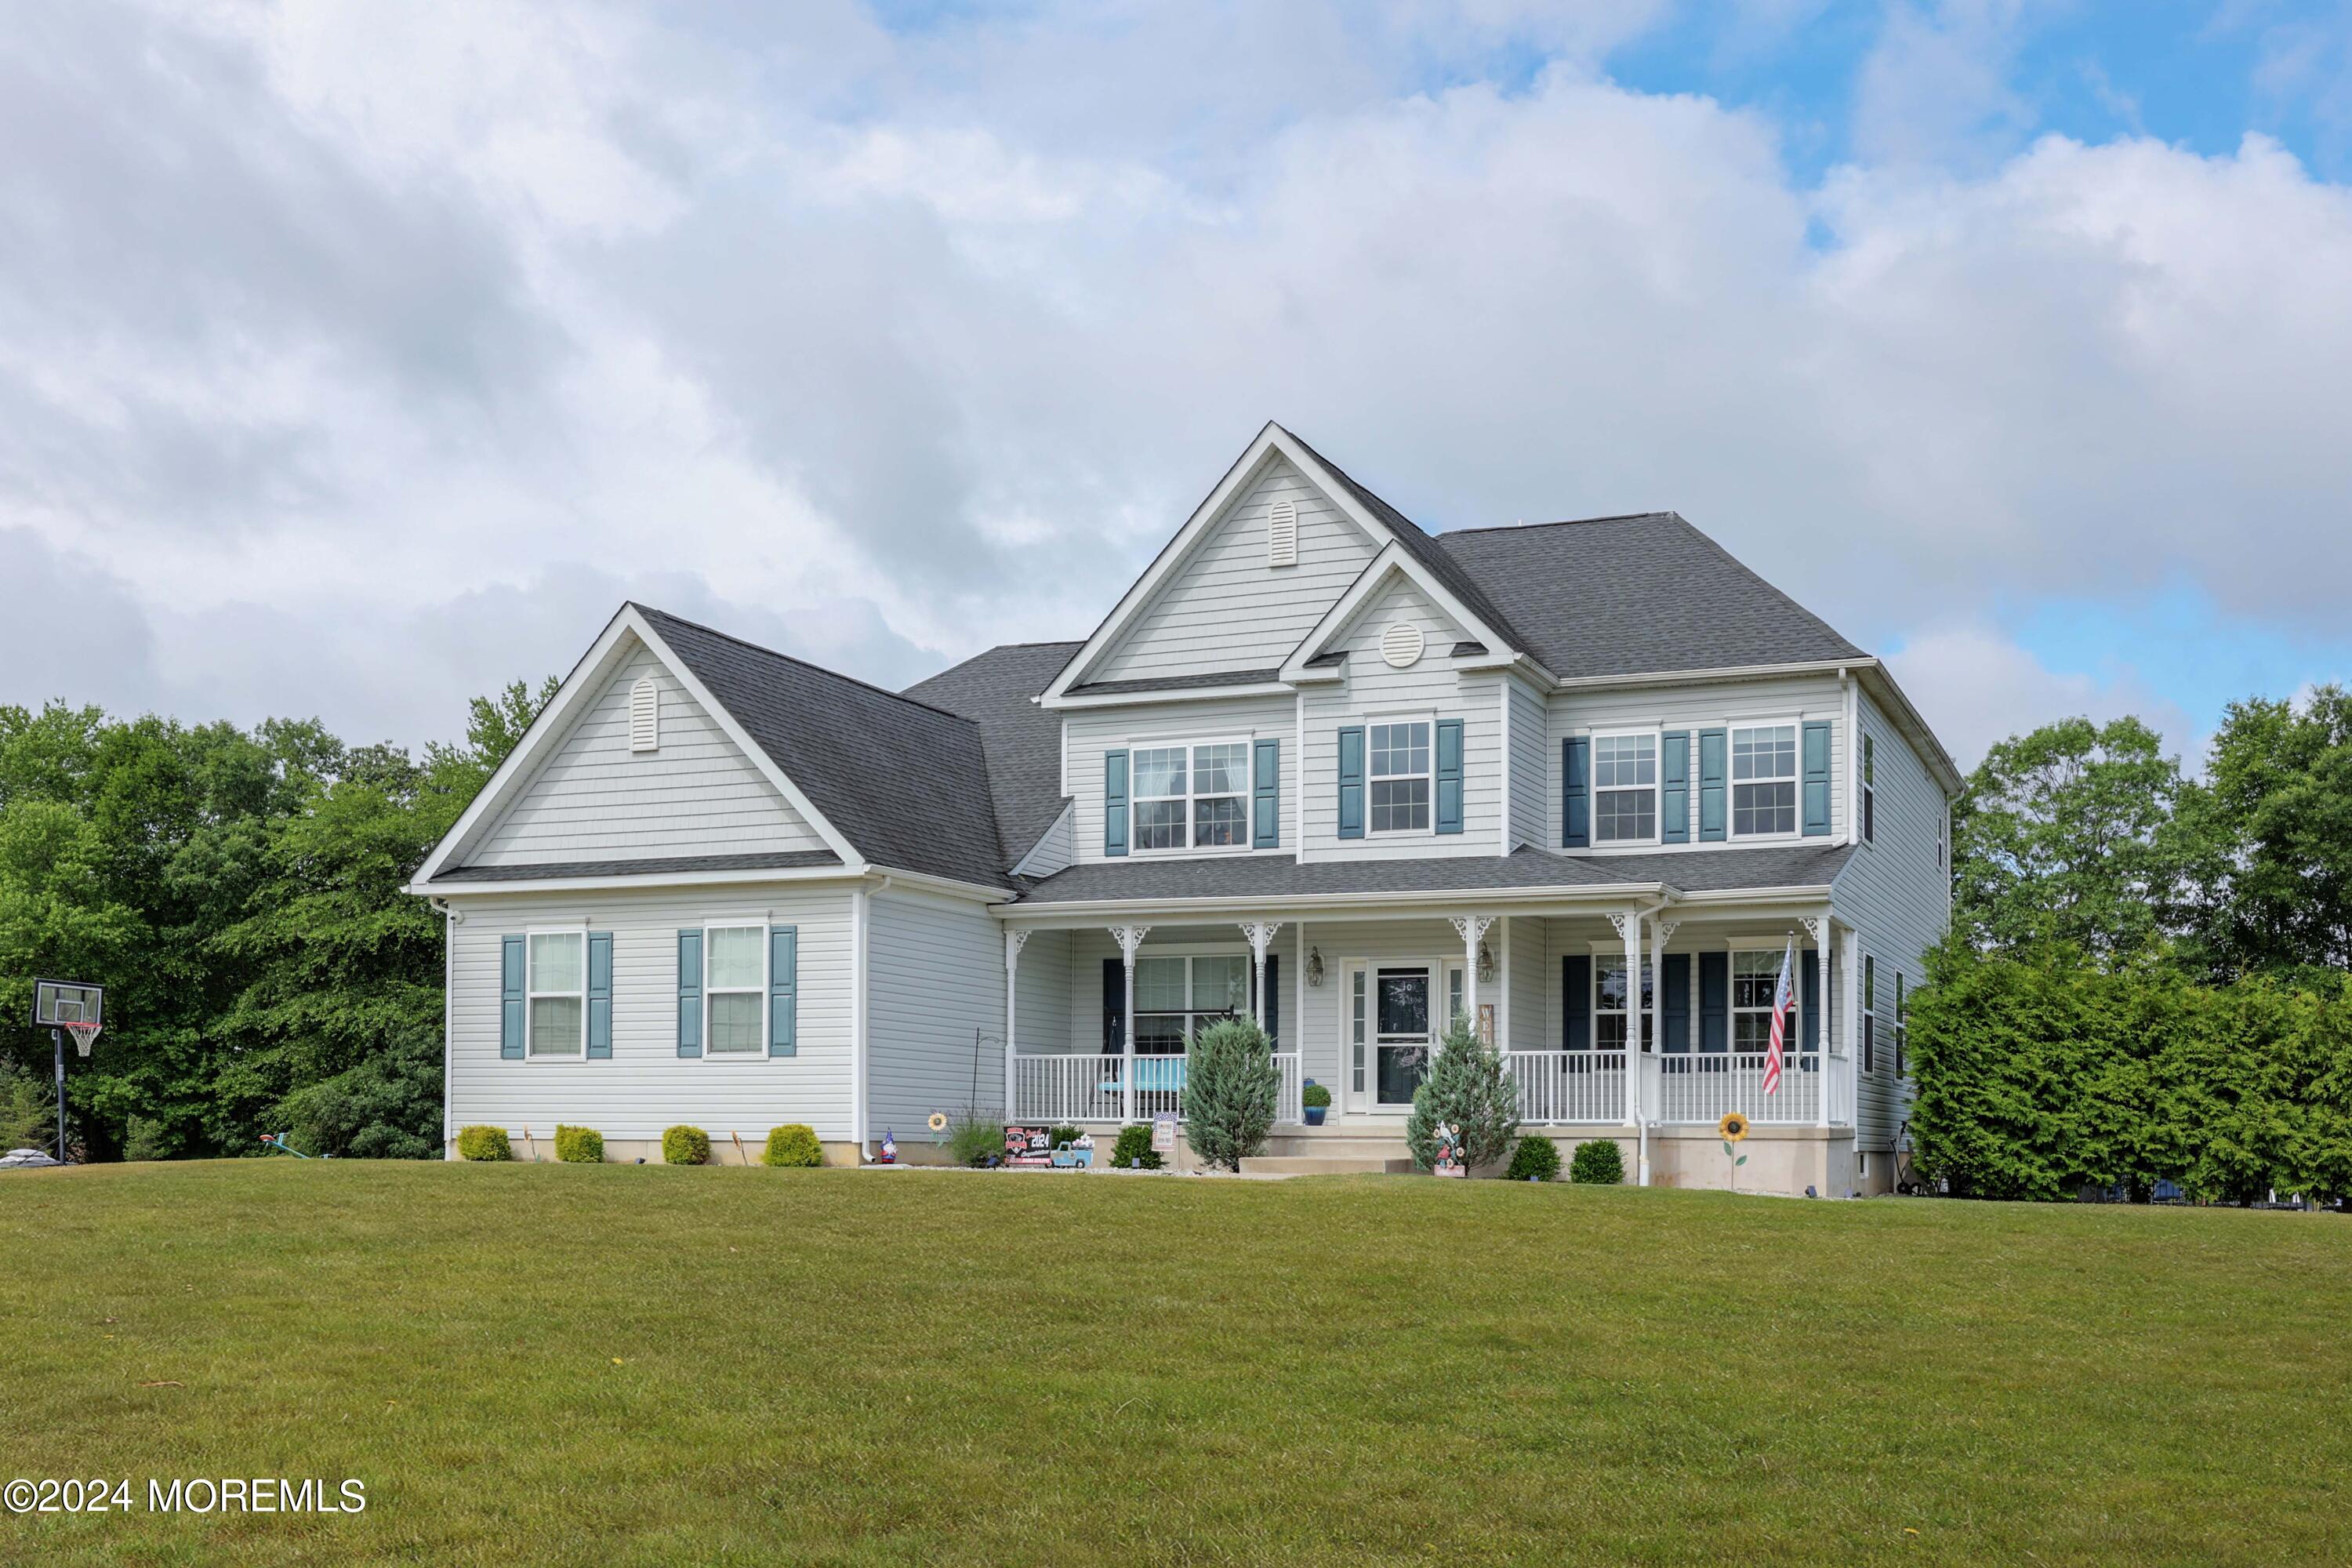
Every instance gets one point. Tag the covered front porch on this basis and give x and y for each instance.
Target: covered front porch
(1357, 1000)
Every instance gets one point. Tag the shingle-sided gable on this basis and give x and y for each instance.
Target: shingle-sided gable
(906, 782)
(1023, 740)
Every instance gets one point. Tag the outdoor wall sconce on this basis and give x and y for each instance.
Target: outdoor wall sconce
(1486, 963)
(1313, 966)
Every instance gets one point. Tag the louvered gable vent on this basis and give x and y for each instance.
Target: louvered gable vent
(645, 715)
(1282, 534)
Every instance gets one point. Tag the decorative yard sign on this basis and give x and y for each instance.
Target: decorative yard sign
(1163, 1134)
(1449, 1152)
(1486, 1022)
(1028, 1146)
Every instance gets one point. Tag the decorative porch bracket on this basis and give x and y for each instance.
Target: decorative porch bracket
(1472, 930)
(1261, 937)
(1128, 938)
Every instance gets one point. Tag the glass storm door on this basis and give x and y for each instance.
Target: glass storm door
(1401, 1037)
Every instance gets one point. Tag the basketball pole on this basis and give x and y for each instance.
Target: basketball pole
(58, 1037)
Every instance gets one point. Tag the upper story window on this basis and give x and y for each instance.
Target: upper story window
(1399, 757)
(1625, 788)
(1869, 790)
(559, 993)
(1193, 796)
(735, 990)
(1763, 780)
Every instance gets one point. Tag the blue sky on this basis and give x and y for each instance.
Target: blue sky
(356, 360)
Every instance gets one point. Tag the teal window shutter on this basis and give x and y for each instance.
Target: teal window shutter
(1114, 803)
(1809, 1012)
(1576, 1003)
(1267, 781)
(600, 995)
(1713, 750)
(1817, 778)
(689, 993)
(1352, 782)
(1449, 776)
(1576, 793)
(510, 1002)
(1673, 1003)
(1674, 788)
(1714, 1003)
(783, 990)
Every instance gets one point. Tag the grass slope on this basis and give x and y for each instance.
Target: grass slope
(626, 1364)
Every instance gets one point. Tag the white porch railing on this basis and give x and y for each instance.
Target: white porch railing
(1094, 1088)
(1702, 1087)
(1569, 1086)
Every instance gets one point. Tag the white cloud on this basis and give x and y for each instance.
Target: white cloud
(1977, 687)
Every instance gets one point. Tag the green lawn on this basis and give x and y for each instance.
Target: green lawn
(533, 1364)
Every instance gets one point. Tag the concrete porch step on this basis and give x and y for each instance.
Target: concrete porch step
(1326, 1165)
(1335, 1143)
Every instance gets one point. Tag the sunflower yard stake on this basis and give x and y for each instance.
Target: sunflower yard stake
(1733, 1129)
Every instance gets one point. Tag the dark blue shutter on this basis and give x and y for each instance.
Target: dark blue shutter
(1817, 778)
(600, 995)
(1576, 1002)
(1713, 1003)
(1114, 803)
(510, 1001)
(1449, 776)
(1674, 1008)
(1713, 764)
(689, 993)
(1114, 1006)
(1352, 782)
(783, 991)
(1274, 998)
(1267, 781)
(1575, 797)
(1809, 1019)
(1674, 788)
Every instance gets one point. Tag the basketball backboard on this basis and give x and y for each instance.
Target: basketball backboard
(57, 1002)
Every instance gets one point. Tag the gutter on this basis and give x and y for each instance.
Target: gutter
(1613, 893)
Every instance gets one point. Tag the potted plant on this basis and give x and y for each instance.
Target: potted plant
(1314, 1100)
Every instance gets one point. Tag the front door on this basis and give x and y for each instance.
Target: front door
(1401, 1033)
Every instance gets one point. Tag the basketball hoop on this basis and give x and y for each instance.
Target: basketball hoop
(84, 1037)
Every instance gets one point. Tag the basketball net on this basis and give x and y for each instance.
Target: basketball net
(84, 1037)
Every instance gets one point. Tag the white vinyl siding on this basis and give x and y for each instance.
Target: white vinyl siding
(596, 799)
(1224, 608)
(1529, 762)
(936, 967)
(646, 1086)
(1091, 733)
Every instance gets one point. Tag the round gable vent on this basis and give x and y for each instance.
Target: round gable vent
(1400, 646)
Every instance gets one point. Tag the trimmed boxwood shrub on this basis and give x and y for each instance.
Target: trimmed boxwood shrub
(686, 1146)
(484, 1144)
(793, 1146)
(1599, 1163)
(1134, 1143)
(579, 1146)
(1315, 1097)
(1536, 1160)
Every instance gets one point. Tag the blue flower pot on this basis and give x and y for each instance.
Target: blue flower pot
(1315, 1114)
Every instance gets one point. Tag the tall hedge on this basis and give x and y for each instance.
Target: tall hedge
(2038, 1078)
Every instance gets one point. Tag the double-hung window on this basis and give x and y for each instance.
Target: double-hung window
(1763, 780)
(1869, 1012)
(1176, 997)
(1902, 1022)
(1754, 981)
(1611, 1015)
(1193, 796)
(1625, 788)
(1398, 753)
(1869, 790)
(735, 990)
(559, 993)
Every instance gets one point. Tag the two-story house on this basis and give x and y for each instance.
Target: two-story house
(1586, 785)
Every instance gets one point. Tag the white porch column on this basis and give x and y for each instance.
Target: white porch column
(1472, 930)
(1128, 938)
(1849, 1003)
(1628, 924)
(1817, 928)
(1261, 937)
(1016, 939)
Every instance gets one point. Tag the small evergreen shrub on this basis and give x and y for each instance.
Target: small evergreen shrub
(1315, 1097)
(1231, 1089)
(144, 1140)
(1469, 1089)
(579, 1146)
(1599, 1163)
(1536, 1160)
(794, 1147)
(686, 1146)
(484, 1144)
(1134, 1143)
(974, 1139)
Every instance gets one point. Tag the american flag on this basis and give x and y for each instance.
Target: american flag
(1784, 999)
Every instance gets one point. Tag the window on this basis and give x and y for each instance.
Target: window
(1902, 1022)
(559, 993)
(735, 990)
(1400, 777)
(1764, 781)
(1754, 981)
(1177, 997)
(1869, 1010)
(1625, 788)
(1358, 1016)
(1609, 1028)
(1193, 796)
(1869, 790)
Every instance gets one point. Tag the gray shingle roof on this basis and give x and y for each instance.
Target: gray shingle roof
(1268, 877)
(907, 782)
(659, 866)
(1174, 682)
(1674, 599)
(1024, 742)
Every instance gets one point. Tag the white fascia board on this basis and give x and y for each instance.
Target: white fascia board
(1175, 694)
(624, 882)
(1395, 560)
(1348, 906)
(1881, 682)
(882, 878)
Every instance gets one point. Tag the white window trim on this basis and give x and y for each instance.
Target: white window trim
(531, 993)
(1866, 810)
(1731, 782)
(1429, 719)
(1656, 737)
(1866, 1025)
(1135, 796)
(1606, 952)
(1793, 1044)
(765, 990)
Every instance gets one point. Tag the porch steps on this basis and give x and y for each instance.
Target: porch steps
(1325, 1166)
